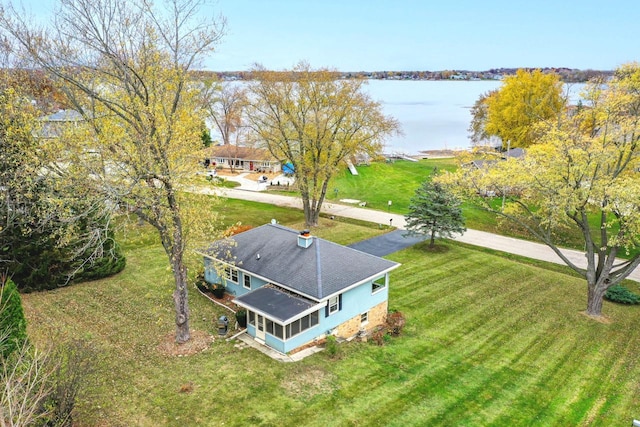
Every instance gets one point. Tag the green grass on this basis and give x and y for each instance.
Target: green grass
(488, 341)
(379, 182)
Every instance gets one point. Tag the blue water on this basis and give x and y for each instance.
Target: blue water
(433, 115)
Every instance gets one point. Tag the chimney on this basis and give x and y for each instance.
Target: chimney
(305, 239)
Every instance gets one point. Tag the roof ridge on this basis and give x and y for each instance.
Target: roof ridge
(318, 267)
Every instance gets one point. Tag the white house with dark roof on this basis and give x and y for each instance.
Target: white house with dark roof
(243, 158)
(298, 288)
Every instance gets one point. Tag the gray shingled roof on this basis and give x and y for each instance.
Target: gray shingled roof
(322, 269)
(277, 304)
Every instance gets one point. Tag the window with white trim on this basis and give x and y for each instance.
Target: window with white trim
(298, 326)
(334, 304)
(378, 284)
(364, 318)
(231, 274)
(246, 281)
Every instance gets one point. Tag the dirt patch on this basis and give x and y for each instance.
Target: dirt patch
(199, 341)
(307, 382)
(600, 319)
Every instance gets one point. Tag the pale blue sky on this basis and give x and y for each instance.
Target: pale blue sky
(377, 35)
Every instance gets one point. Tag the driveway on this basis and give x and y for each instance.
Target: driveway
(386, 244)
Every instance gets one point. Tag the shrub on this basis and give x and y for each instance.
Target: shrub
(217, 289)
(241, 318)
(13, 326)
(236, 229)
(73, 377)
(621, 295)
(111, 263)
(396, 322)
(201, 284)
(380, 335)
(332, 347)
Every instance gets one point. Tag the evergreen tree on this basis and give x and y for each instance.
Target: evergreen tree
(434, 210)
(13, 326)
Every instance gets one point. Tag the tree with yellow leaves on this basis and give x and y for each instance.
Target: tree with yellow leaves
(316, 121)
(125, 67)
(582, 173)
(511, 112)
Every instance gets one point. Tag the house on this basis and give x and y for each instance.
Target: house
(229, 156)
(513, 153)
(54, 125)
(298, 288)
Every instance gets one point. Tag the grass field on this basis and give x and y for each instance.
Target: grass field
(488, 341)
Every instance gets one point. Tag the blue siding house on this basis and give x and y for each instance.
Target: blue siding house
(298, 288)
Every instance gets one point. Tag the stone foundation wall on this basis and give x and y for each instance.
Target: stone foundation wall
(377, 317)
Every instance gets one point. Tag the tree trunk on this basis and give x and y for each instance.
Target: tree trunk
(181, 302)
(595, 296)
(432, 242)
(180, 294)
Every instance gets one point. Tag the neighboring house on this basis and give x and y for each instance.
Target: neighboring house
(514, 153)
(242, 158)
(55, 124)
(298, 288)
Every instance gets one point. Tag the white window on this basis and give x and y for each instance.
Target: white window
(334, 304)
(378, 284)
(231, 274)
(364, 318)
(246, 281)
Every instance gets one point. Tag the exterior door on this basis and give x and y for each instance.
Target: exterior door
(259, 327)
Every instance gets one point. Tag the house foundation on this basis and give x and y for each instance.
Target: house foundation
(377, 316)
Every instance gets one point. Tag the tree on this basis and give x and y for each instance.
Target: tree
(13, 325)
(50, 233)
(226, 105)
(434, 210)
(477, 128)
(125, 67)
(580, 176)
(315, 121)
(523, 100)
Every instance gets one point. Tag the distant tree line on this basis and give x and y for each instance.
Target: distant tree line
(567, 75)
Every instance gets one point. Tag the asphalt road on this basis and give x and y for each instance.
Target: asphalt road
(473, 237)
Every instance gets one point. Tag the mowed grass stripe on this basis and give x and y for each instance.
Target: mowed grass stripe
(488, 341)
(452, 368)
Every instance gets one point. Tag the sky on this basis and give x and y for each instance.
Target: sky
(378, 35)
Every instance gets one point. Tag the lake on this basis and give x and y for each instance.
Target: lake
(433, 114)
(436, 114)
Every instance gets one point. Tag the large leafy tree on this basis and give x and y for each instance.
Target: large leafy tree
(511, 112)
(316, 121)
(50, 233)
(477, 127)
(226, 105)
(581, 176)
(434, 210)
(125, 67)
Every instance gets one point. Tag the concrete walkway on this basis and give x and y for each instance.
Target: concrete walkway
(473, 237)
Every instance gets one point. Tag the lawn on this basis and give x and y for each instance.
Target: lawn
(381, 182)
(489, 341)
